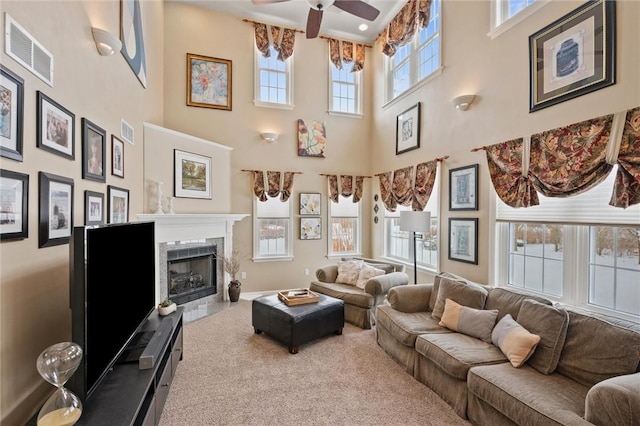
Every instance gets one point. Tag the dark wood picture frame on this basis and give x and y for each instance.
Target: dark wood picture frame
(207, 88)
(557, 69)
(14, 205)
(93, 208)
(463, 188)
(11, 135)
(408, 130)
(56, 210)
(94, 151)
(55, 127)
(117, 156)
(118, 204)
(463, 239)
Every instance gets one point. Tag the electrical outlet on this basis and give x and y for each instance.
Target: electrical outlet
(306, 271)
(243, 275)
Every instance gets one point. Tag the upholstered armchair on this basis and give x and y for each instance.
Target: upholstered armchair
(361, 288)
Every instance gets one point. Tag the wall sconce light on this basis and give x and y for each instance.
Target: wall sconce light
(463, 102)
(106, 43)
(269, 137)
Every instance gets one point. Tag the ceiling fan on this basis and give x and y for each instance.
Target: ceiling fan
(316, 7)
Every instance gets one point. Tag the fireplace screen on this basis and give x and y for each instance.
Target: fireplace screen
(191, 273)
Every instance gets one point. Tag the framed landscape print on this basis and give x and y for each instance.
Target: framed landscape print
(408, 130)
(117, 157)
(14, 205)
(574, 55)
(118, 204)
(94, 151)
(93, 208)
(56, 210)
(55, 127)
(208, 82)
(192, 175)
(309, 203)
(310, 228)
(11, 114)
(463, 240)
(463, 188)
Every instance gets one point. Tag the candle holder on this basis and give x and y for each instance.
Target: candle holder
(159, 198)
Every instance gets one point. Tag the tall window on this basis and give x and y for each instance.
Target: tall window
(417, 60)
(344, 227)
(345, 94)
(508, 13)
(274, 80)
(272, 237)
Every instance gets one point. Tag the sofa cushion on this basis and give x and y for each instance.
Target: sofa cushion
(456, 353)
(472, 322)
(351, 294)
(527, 397)
(348, 271)
(550, 323)
(405, 327)
(508, 301)
(366, 273)
(468, 294)
(598, 347)
(436, 285)
(514, 340)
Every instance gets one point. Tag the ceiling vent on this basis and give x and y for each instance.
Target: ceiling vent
(26, 50)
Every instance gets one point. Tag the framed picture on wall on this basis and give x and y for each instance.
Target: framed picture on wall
(310, 228)
(208, 82)
(56, 210)
(309, 204)
(117, 157)
(118, 204)
(463, 240)
(55, 127)
(12, 114)
(408, 130)
(192, 175)
(14, 205)
(93, 208)
(94, 151)
(463, 188)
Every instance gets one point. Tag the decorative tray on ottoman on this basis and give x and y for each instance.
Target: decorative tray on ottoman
(300, 296)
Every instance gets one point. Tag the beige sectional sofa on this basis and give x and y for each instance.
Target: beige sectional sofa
(584, 370)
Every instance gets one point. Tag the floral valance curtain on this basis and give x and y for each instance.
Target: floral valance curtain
(345, 52)
(274, 187)
(347, 187)
(403, 189)
(413, 16)
(282, 40)
(626, 191)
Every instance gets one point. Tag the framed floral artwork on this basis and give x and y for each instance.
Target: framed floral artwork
(14, 205)
(208, 82)
(309, 203)
(94, 151)
(56, 210)
(11, 114)
(312, 138)
(310, 228)
(55, 127)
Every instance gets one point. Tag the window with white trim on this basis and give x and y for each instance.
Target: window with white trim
(273, 80)
(577, 250)
(506, 14)
(272, 226)
(416, 60)
(398, 244)
(344, 227)
(345, 94)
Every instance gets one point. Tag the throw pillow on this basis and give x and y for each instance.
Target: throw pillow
(472, 322)
(514, 340)
(436, 286)
(366, 273)
(468, 294)
(348, 271)
(551, 324)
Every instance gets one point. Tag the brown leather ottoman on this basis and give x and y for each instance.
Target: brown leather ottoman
(297, 325)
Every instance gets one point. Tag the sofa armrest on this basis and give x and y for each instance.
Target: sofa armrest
(327, 274)
(410, 298)
(383, 283)
(615, 401)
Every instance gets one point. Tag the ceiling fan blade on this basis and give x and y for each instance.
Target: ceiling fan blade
(358, 8)
(313, 23)
(258, 2)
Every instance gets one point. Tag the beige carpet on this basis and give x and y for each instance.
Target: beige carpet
(231, 376)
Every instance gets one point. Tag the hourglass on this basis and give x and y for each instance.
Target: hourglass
(56, 365)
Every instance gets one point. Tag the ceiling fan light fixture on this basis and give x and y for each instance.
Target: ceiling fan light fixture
(363, 27)
(320, 4)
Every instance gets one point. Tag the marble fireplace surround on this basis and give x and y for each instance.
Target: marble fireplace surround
(188, 230)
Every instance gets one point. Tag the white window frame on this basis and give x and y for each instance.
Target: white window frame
(358, 237)
(288, 255)
(500, 22)
(357, 84)
(257, 82)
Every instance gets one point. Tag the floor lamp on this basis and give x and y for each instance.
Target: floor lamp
(415, 221)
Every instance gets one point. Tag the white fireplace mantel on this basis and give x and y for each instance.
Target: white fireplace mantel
(175, 227)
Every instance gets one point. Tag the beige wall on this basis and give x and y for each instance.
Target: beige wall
(34, 292)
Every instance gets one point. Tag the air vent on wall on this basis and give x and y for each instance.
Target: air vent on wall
(25, 49)
(127, 132)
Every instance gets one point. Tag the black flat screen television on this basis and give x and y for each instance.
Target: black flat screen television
(112, 293)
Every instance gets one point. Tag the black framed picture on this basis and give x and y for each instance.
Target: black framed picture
(55, 127)
(574, 55)
(93, 208)
(11, 114)
(117, 156)
(118, 204)
(463, 240)
(463, 188)
(191, 175)
(94, 151)
(408, 130)
(56, 210)
(14, 205)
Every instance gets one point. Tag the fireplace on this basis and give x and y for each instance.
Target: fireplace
(191, 273)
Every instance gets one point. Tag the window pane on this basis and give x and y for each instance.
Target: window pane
(343, 234)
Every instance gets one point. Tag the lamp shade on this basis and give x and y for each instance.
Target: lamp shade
(415, 221)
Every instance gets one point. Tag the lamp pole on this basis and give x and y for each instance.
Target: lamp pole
(415, 260)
